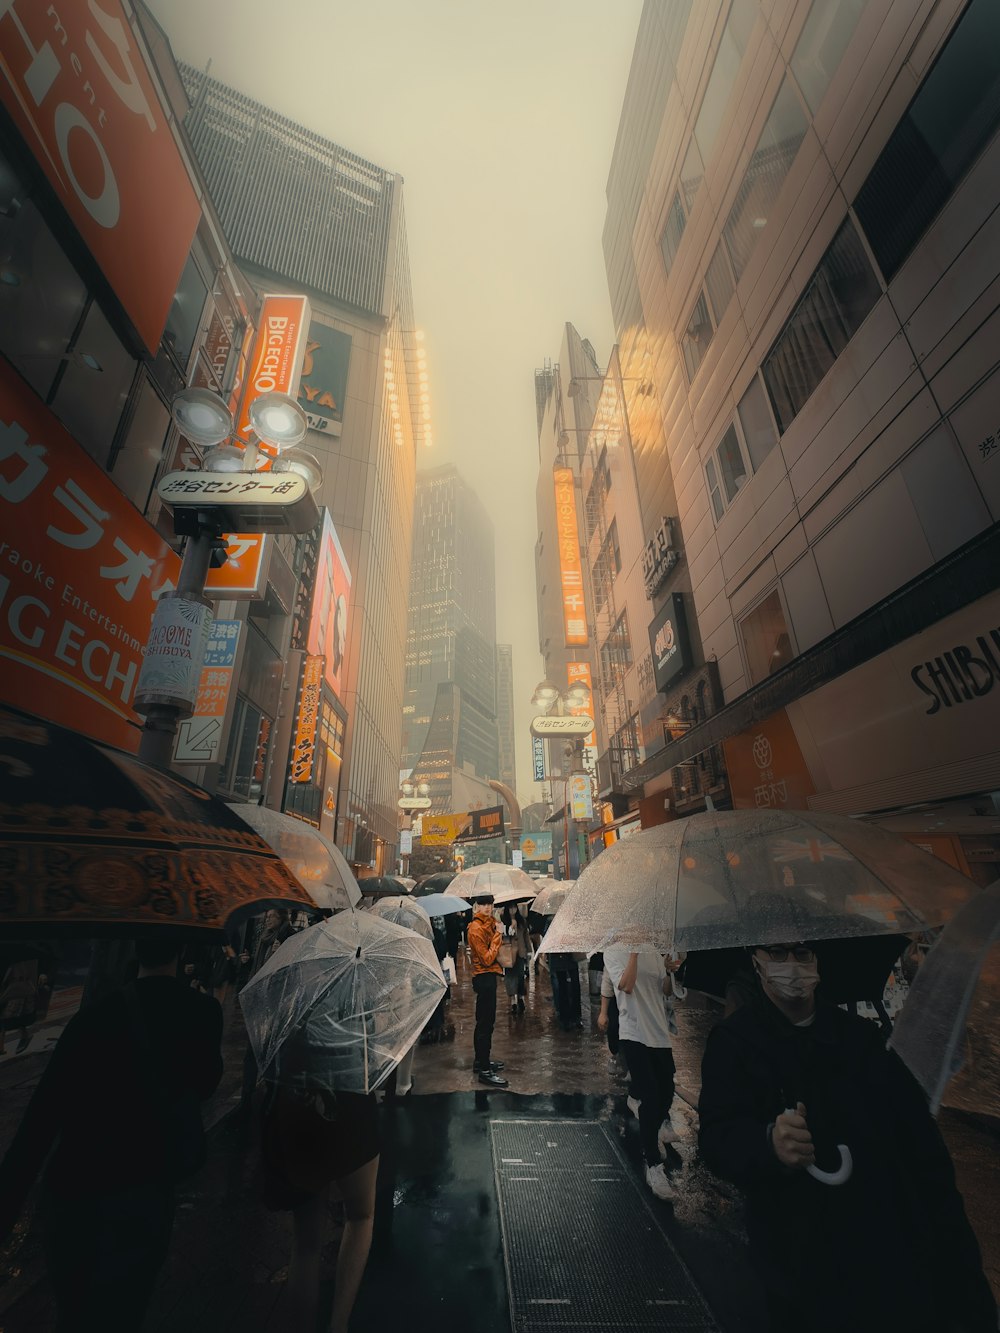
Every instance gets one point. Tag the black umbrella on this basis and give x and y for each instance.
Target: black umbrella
(95, 844)
(436, 883)
(383, 886)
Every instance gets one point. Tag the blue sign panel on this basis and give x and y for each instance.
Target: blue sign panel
(538, 757)
(223, 640)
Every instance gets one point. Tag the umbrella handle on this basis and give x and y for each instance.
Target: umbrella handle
(843, 1172)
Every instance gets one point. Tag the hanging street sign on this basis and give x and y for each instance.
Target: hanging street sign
(562, 726)
(240, 501)
(414, 803)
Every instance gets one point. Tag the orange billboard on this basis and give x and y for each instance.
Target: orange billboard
(766, 768)
(278, 353)
(80, 572)
(330, 606)
(570, 565)
(304, 750)
(75, 83)
(243, 574)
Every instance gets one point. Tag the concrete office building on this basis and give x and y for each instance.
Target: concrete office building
(505, 715)
(450, 736)
(305, 215)
(801, 246)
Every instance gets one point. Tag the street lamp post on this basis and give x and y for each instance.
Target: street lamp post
(228, 494)
(562, 709)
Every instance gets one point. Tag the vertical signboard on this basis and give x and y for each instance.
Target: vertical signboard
(331, 603)
(198, 736)
(538, 758)
(579, 673)
(570, 565)
(75, 83)
(324, 378)
(80, 574)
(278, 354)
(581, 797)
(307, 722)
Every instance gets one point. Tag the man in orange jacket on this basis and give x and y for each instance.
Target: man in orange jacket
(485, 938)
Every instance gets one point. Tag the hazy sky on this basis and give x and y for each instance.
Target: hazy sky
(501, 118)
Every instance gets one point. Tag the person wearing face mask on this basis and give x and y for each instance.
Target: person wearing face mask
(786, 1080)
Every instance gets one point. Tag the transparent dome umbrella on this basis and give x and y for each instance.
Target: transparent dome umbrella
(443, 904)
(507, 884)
(406, 912)
(338, 1005)
(730, 878)
(948, 1033)
(318, 865)
(552, 897)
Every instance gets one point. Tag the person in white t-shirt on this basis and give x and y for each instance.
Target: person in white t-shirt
(640, 982)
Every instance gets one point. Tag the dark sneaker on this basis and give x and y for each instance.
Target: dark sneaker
(494, 1080)
(495, 1066)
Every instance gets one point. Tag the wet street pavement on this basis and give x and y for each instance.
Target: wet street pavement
(438, 1257)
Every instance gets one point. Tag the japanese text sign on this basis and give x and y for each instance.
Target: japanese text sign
(441, 830)
(304, 750)
(766, 767)
(570, 565)
(76, 85)
(538, 758)
(243, 573)
(80, 572)
(581, 797)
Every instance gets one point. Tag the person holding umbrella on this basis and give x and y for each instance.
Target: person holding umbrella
(485, 939)
(514, 956)
(854, 1218)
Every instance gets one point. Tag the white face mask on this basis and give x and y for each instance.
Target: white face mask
(790, 980)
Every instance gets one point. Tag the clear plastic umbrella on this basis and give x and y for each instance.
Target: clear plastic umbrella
(318, 865)
(406, 912)
(950, 1024)
(337, 1006)
(443, 904)
(552, 897)
(730, 878)
(506, 883)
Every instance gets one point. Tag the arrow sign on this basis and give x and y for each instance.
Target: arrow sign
(198, 740)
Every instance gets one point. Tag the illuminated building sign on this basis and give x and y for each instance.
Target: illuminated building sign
(570, 566)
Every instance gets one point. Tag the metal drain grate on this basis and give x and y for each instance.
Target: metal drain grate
(582, 1246)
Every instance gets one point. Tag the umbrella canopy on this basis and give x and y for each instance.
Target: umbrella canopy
(410, 883)
(97, 844)
(443, 904)
(730, 878)
(552, 897)
(319, 866)
(405, 912)
(506, 883)
(436, 883)
(951, 1018)
(337, 1006)
(383, 886)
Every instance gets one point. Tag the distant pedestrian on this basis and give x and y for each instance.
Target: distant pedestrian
(564, 971)
(514, 956)
(485, 939)
(118, 1109)
(276, 928)
(641, 982)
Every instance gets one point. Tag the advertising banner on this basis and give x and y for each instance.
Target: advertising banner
(324, 378)
(278, 354)
(331, 602)
(244, 574)
(668, 643)
(537, 846)
(579, 673)
(76, 86)
(581, 797)
(405, 843)
(198, 736)
(80, 573)
(304, 749)
(441, 830)
(766, 768)
(570, 565)
(171, 667)
(485, 824)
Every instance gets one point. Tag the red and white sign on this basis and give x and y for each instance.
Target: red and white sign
(76, 85)
(278, 354)
(80, 572)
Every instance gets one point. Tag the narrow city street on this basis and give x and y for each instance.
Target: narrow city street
(522, 1209)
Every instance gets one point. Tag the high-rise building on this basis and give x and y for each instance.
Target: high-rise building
(450, 738)
(801, 239)
(305, 215)
(505, 714)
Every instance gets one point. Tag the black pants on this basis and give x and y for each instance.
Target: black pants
(613, 1039)
(566, 991)
(651, 1069)
(485, 986)
(104, 1255)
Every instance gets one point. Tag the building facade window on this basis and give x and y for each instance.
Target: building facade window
(735, 36)
(770, 163)
(832, 308)
(719, 282)
(616, 654)
(697, 336)
(755, 419)
(767, 645)
(673, 230)
(726, 471)
(692, 173)
(820, 49)
(947, 125)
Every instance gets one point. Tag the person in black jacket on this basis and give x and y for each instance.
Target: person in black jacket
(116, 1115)
(785, 1081)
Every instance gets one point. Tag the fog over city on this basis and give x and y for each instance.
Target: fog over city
(502, 121)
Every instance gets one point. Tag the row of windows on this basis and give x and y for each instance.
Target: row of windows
(949, 122)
